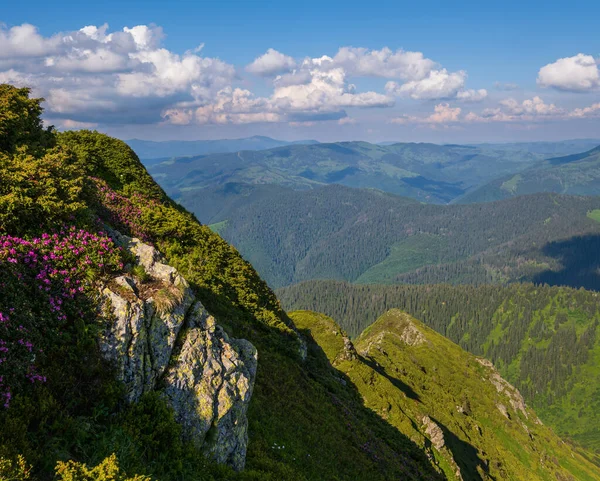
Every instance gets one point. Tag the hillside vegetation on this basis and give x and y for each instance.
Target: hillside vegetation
(577, 174)
(470, 421)
(367, 236)
(544, 340)
(63, 410)
(426, 172)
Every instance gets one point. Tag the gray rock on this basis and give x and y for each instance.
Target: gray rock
(209, 386)
(175, 345)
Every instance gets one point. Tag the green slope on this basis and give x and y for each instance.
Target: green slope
(364, 235)
(454, 405)
(576, 174)
(542, 339)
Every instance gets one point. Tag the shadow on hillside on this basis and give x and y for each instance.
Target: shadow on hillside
(385, 442)
(580, 260)
(465, 455)
(405, 388)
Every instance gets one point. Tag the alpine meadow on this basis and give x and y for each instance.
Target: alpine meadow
(327, 241)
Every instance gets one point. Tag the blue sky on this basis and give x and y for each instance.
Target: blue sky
(480, 75)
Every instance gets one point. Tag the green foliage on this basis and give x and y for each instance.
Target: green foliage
(112, 160)
(79, 414)
(107, 470)
(17, 470)
(39, 193)
(21, 127)
(594, 215)
(139, 272)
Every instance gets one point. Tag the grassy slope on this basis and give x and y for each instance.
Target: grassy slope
(434, 377)
(542, 339)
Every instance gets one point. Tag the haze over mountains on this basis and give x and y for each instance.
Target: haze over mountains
(149, 150)
(427, 172)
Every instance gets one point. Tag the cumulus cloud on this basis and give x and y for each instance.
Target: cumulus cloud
(511, 110)
(322, 97)
(271, 63)
(578, 74)
(442, 114)
(384, 63)
(472, 95)
(25, 41)
(94, 76)
(586, 112)
(438, 84)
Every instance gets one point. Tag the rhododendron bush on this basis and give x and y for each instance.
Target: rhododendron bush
(43, 282)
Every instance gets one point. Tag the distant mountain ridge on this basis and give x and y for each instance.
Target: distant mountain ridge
(148, 149)
(369, 236)
(426, 172)
(576, 174)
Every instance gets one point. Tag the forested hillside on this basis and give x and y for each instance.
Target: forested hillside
(368, 236)
(577, 174)
(426, 172)
(471, 421)
(542, 339)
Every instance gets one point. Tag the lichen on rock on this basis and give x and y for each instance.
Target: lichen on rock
(176, 347)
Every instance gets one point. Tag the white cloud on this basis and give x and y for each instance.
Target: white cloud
(579, 74)
(167, 73)
(442, 114)
(472, 95)
(25, 41)
(384, 63)
(271, 63)
(438, 84)
(321, 98)
(591, 111)
(511, 110)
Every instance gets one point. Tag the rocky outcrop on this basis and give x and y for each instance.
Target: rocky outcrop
(162, 338)
(504, 387)
(209, 385)
(434, 433)
(436, 436)
(348, 353)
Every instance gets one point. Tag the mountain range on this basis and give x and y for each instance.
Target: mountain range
(426, 172)
(368, 236)
(156, 151)
(577, 174)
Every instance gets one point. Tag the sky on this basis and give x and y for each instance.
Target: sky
(329, 70)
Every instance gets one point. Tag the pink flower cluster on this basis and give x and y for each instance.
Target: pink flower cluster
(123, 212)
(44, 277)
